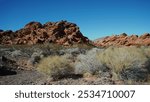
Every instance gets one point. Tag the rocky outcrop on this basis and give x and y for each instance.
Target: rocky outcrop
(63, 32)
(124, 40)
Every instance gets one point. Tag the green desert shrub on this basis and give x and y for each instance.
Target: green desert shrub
(88, 63)
(124, 58)
(55, 66)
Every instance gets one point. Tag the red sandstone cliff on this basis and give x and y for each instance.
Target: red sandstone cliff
(62, 32)
(124, 40)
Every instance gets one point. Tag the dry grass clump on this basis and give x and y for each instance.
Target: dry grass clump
(123, 58)
(147, 51)
(55, 66)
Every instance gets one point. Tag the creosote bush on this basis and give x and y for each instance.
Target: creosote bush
(55, 66)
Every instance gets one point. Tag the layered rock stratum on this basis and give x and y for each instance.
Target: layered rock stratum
(63, 32)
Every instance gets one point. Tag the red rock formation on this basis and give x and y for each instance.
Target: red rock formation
(63, 32)
(124, 40)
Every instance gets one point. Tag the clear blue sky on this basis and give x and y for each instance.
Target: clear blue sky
(96, 18)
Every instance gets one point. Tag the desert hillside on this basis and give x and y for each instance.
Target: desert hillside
(58, 53)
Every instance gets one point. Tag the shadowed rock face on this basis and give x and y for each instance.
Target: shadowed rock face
(63, 32)
(124, 40)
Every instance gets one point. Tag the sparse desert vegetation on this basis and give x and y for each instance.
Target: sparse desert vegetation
(75, 65)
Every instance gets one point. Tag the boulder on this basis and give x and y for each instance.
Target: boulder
(33, 25)
(144, 36)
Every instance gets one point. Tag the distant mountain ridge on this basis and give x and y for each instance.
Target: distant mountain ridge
(63, 32)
